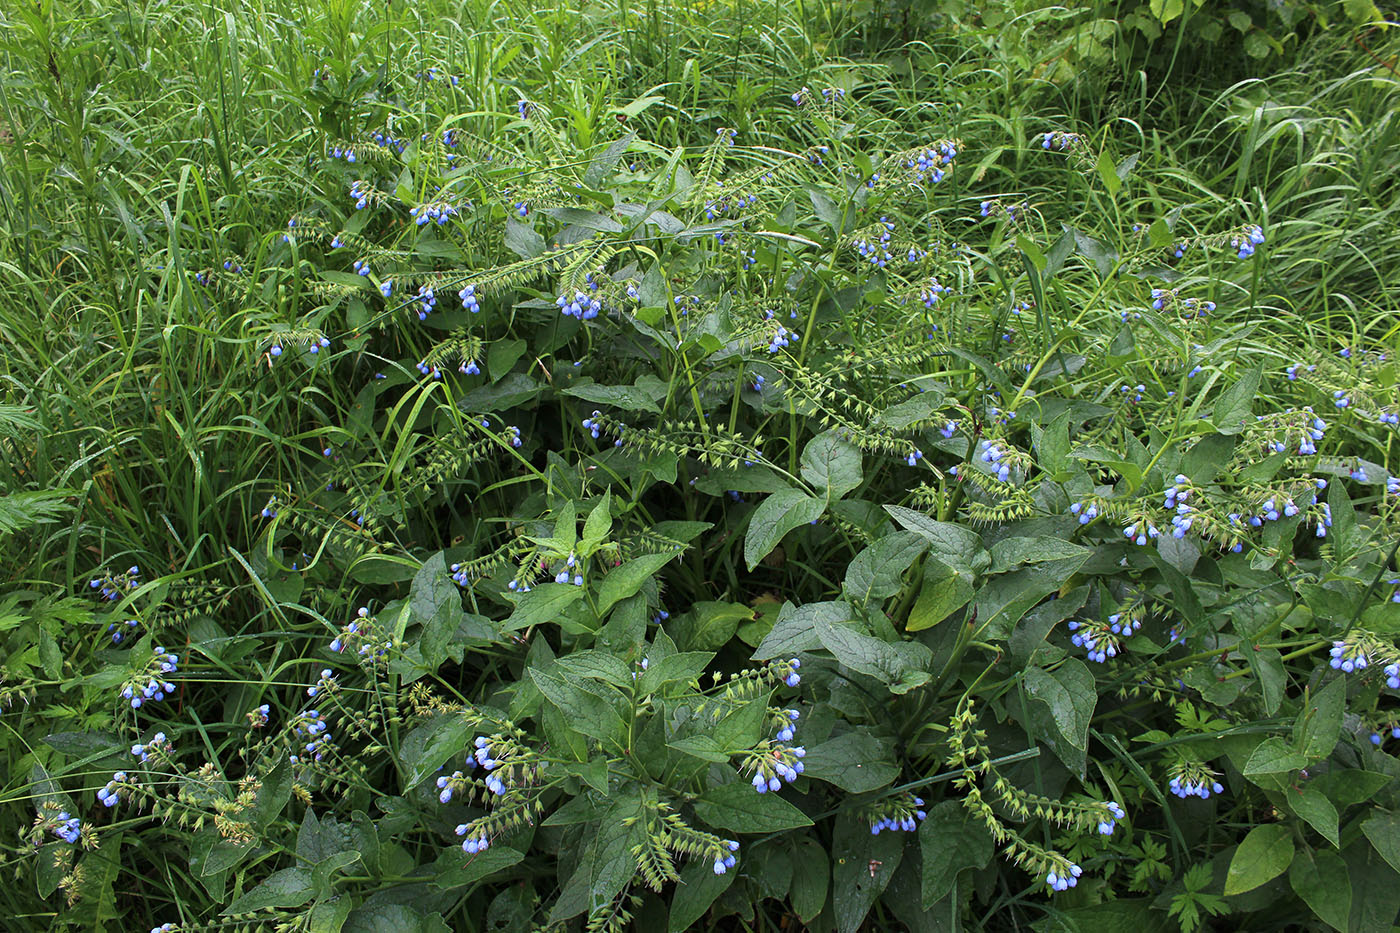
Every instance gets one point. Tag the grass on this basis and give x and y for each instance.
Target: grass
(143, 424)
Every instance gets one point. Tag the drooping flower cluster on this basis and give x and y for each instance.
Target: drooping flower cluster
(1168, 299)
(157, 748)
(363, 636)
(1062, 141)
(1245, 241)
(1348, 656)
(930, 164)
(150, 682)
(311, 727)
(874, 248)
(325, 684)
(1064, 877)
(1193, 779)
(774, 764)
(900, 813)
(1104, 640)
(112, 586)
(68, 828)
(118, 787)
(439, 212)
(119, 630)
(583, 306)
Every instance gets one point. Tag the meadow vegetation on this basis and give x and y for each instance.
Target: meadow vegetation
(725, 465)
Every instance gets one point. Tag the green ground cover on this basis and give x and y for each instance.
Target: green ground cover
(723, 466)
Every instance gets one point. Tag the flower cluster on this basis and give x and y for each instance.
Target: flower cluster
(439, 212)
(425, 299)
(726, 862)
(363, 636)
(996, 208)
(775, 764)
(782, 337)
(469, 300)
(361, 193)
(311, 726)
(158, 747)
(570, 566)
(326, 683)
(877, 253)
(786, 671)
(113, 585)
(1103, 640)
(1348, 657)
(258, 717)
(1376, 737)
(1063, 878)
(1062, 141)
(1166, 299)
(150, 683)
(931, 164)
(118, 786)
(119, 633)
(1193, 779)
(63, 825)
(385, 141)
(993, 456)
(1244, 242)
(902, 813)
(583, 306)
(473, 844)
(1116, 813)
(729, 204)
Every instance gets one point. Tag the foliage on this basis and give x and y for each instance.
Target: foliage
(464, 491)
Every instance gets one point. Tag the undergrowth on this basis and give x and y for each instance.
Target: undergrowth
(677, 468)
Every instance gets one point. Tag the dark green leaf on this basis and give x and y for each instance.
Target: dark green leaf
(522, 240)
(856, 762)
(628, 398)
(627, 580)
(832, 465)
(290, 887)
(1319, 723)
(682, 667)
(944, 591)
(1234, 405)
(429, 745)
(1273, 756)
(794, 631)
(1320, 879)
(951, 839)
(868, 655)
(877, 572)
(1382, 827)
(695, 892)
(776, 516)
(1013, 552)
(583, 711)
(1263, 855)
(544, 603)
(738, 808)
(865, 864)
(1068, 693)
(811, 876)
(949, 544)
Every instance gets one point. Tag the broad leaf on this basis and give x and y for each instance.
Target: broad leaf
(776, 516)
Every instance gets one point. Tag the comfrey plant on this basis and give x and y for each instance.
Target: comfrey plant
(720, 529)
